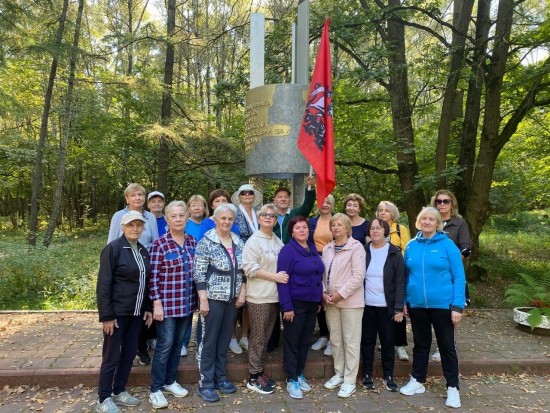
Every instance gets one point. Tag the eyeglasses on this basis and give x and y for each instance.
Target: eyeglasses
(376, 228)
(442, 201)
(269, 216)
(246, 193)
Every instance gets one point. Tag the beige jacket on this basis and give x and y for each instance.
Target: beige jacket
(347, 273)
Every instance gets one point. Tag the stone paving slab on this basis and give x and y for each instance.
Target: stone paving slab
(64, 349)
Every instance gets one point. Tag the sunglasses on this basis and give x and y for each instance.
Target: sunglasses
(246, 193)
(442, 201)
(268, 216)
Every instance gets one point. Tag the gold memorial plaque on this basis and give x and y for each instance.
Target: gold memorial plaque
(259, 101)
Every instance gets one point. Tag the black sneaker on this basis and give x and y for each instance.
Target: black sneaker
(259, 385)
(390, 384)
(144, 358)
(268, 379)
(368, 382)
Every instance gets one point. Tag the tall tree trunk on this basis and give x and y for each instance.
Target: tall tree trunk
(66, 130)
(166, 112)
(463, 183)
(402, 116)
(494, 135)
(451, 99)
(37, 174)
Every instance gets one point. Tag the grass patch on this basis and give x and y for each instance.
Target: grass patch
(511, 245)
(62, 276)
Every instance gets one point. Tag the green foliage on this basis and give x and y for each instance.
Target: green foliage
(535, 316)
(60, 277)
(531, 291)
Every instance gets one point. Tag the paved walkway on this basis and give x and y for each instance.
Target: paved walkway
(480, 394)
(504, 369)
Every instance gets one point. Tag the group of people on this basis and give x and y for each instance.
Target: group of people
(357, 278)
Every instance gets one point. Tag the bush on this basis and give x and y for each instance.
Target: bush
(62, 276)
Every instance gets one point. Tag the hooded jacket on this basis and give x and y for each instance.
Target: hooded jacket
(435, 274)
(261, 252)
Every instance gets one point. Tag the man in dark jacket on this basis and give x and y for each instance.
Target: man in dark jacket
(285, 213)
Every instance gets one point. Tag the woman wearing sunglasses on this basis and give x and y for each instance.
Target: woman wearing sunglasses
(456, 229)
(247, 200)
(454, 225)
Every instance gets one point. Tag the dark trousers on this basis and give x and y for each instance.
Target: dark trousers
(146, 334)
(322, 321)
(376, 321)
(401, 333)
(217, 332)
(119, 351)
(422, 320)
(297, 335)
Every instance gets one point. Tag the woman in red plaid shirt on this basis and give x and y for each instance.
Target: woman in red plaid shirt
(174, 300)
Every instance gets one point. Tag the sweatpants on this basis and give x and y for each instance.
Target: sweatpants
(217, 332)
(422, 320)
(119, 351)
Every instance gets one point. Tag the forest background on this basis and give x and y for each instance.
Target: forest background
(427, 94)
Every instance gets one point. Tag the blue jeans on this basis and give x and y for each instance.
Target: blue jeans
(166, 359)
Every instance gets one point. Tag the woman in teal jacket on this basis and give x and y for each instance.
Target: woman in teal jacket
(434, 298)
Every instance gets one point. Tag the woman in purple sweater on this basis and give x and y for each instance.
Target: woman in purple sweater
(299, 299)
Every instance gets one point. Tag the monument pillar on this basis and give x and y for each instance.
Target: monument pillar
(274, 113)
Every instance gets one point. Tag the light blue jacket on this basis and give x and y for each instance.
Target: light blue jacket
(435, 273)
(150, 231)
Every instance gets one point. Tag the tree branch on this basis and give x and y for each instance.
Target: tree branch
(367, 166)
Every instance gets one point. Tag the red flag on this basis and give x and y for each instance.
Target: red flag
(316, 138)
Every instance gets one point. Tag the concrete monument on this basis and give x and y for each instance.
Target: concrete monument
(274, 112)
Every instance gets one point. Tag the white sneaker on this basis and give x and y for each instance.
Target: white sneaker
(304, 385)
(346, 390)
(157, 400)
(328, 350)
(176, 389)
(243, 342)
(320, 344)
(234, 346)
(453, 398)
(183, 352)
(436, 356)
(108, 406)
(402, 353)
(335, 381)
(412, 387)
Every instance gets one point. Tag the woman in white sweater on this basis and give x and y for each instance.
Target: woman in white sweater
(260, 267)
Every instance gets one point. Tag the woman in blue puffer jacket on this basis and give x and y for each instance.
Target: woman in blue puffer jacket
(435, 297)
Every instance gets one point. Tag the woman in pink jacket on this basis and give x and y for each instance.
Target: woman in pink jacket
(343, 296)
